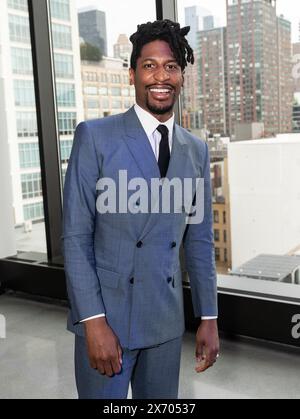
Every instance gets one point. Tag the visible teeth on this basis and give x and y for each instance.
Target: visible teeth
(160, 90)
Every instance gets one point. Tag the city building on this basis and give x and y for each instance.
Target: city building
(296, 115)
(259, 90)
(264, 196)
(296, 66)
(221, 203)
(296, 79)
(285, 78)
(17, 103)
(212, 80)
(199, 19)
(123, 48)
(248, 131)
(106, 89)
(208, 23)
(92, 28)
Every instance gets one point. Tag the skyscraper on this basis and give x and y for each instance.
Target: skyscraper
(208, 23)
(285, 79)
(212, 74)
(198, 18)
(123, 48)
(257, 51)
(92, 28)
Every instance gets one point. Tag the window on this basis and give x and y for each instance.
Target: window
(116, 104)
(62, 36)
(31, 185)
(33, 211)
(217, 253)
(92, 103)
(225, 236)
(91, 90)
(66, 147)
(29, 155)
(115, 91)
(216, 216)
(66, 123)
(24, 93)
(242, 80)
(65, 94)
(19, 146)
(26, 124)
(60, 9)
(21, 61)
(18, 4)
(217, 235)
(19, 29)
(64, 66)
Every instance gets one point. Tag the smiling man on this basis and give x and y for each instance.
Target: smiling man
(123, 272)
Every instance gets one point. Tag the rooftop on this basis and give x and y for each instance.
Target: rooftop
(271, 267)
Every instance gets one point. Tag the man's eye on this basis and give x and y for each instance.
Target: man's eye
(148, 65)
(172, 66)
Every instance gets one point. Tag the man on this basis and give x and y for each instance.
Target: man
(123, 274)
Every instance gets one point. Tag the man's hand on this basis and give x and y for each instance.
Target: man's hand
(207, 345)
(105, 352)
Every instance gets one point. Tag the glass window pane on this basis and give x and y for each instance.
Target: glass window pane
(91, 52)
(239, 97)
(22, 228)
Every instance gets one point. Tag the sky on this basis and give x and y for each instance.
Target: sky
(122, 16)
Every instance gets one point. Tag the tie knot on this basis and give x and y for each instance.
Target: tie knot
(163, 130)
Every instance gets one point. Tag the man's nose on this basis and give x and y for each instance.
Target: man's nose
(161, 74)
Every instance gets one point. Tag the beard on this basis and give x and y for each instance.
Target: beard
(158, 110)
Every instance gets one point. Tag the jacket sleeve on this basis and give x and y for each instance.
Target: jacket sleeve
(198, 246)
(79, 210)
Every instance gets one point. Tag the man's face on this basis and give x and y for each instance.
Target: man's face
(157, 79)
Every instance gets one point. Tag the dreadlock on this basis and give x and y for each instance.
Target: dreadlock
(164, 30)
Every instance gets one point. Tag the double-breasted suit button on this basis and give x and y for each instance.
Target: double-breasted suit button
(139, 244)
(169, 279)
(131, 280)
(173, 244)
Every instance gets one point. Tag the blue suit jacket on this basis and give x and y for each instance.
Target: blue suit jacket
(100, 250)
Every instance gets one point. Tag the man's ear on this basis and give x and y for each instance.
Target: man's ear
(182, 84)
(131, 76)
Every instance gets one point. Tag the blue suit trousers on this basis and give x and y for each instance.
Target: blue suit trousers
(153, 373)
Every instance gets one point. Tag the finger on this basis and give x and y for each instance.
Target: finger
(108, 369)
(100, 368)
(212, 356)
(120, 352)
(199, 352)
(116, 366)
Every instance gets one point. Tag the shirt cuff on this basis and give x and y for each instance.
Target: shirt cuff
(93, 317)
(209, 318)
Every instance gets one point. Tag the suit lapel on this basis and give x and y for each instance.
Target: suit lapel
(141, 150)
(139, 146)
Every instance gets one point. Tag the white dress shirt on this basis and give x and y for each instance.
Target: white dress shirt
(150, 124)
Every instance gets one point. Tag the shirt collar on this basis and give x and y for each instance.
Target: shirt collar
(150, 123)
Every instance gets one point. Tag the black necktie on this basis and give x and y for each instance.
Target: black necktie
(164, 150)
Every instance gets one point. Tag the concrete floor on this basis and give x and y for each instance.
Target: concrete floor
(36, 360)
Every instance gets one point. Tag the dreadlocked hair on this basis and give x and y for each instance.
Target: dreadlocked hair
(164, 30)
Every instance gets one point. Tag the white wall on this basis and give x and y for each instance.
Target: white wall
(264, 184)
